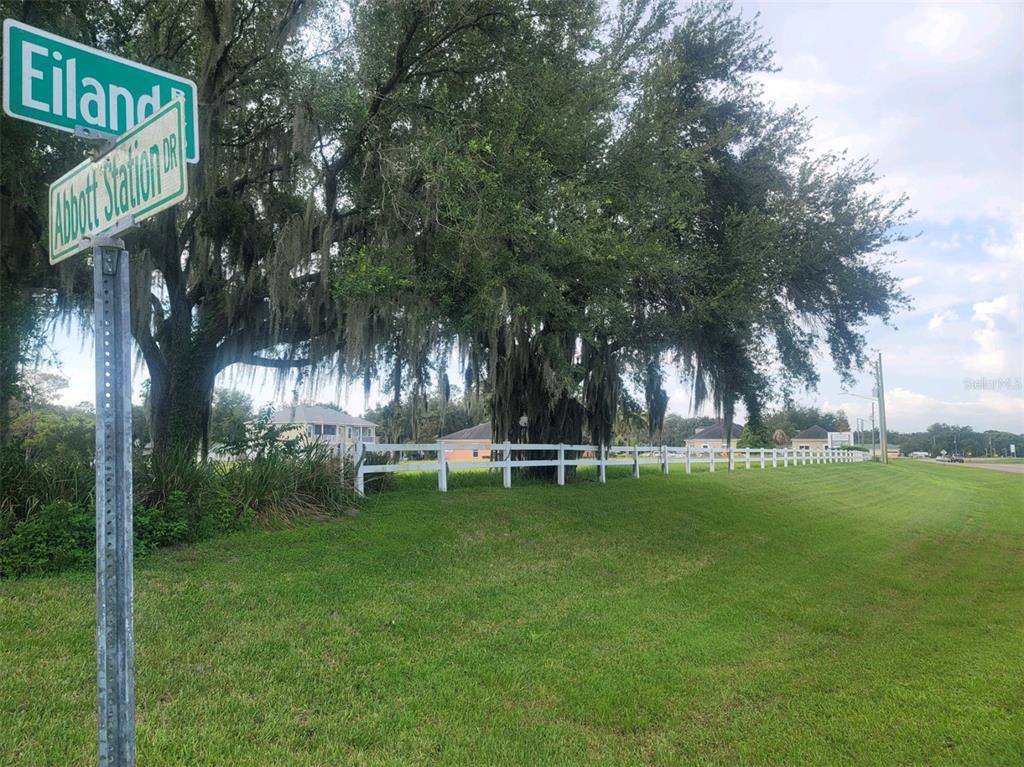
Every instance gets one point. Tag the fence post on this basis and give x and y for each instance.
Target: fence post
(506, 469)
(602, 466)
(687, 459)
(711, 458)
(561, 464)
(762, 457)
(775, 457)
(748, 457)
(442, 468)
(732, 460)
(358, 457)
(785, 457)
(664, 459)
(636, 462)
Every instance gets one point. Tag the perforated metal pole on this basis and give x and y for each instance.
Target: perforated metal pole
(115, 653)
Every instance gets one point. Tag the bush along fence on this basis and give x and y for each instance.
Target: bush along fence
(509, 455)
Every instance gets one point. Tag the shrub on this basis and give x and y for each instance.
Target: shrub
(46, 510)
(59, 536)
(155, 527)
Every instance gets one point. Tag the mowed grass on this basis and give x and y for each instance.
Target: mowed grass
(855, 614)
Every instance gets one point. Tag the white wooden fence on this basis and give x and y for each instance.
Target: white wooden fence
(502, 457)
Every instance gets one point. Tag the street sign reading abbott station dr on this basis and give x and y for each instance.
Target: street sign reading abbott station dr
(53, 81)
(142, 175)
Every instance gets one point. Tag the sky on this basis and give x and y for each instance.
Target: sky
(934, 93)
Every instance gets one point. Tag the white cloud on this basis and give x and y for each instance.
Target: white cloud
(908, 410)
(941, 318)
(998, 338)
(948, 34)
(1009, 248)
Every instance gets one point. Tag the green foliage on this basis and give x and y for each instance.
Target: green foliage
(59, 536)
(425, 420)
(796, 418)
(154, 527)
(760, 437)
(678, 429)
(46, 507)
(27, 484)
(229, 416)
(55, 436)
(569, 194)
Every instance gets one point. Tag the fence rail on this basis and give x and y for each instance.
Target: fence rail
(511, 455)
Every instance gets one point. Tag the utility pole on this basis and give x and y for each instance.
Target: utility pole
(872, 428)
(882, 432)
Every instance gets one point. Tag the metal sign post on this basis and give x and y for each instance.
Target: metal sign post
(115, 653)
(115, 590)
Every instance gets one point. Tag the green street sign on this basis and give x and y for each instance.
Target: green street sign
(53, 81)
(142, 175)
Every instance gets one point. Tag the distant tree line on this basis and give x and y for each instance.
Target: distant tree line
(941, 437)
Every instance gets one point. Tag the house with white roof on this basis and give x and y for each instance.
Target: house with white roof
(325, 424)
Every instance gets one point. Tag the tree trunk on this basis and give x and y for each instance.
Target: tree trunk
(181, 395)
(519, 390)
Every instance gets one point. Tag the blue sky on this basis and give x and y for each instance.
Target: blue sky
(935, 94)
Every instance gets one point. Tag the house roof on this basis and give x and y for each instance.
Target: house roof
(480, 431)
(317, 414)
(813, 432)
(717, 431)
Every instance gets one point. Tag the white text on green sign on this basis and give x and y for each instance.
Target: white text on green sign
(143, 175)
(57, 82)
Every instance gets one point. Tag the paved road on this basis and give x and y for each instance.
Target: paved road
(1010, 468)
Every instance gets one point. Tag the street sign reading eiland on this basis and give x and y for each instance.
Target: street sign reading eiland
(142, 175)
(57, 82)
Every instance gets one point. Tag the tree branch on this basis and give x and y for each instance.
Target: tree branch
(269, 362)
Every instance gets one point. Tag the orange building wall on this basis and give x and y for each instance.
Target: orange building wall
(466, 453)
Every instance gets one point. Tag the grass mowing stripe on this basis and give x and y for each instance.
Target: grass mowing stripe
(821, 614)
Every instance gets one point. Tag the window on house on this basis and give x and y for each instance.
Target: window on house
(317, 428)
(805, 447)
(330, 429)
(476, 453)
(704, 446)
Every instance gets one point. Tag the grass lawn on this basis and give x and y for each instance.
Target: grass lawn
(856, 614)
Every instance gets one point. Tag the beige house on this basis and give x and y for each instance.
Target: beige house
(714, 436)
(814, 438)
(325, 424)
